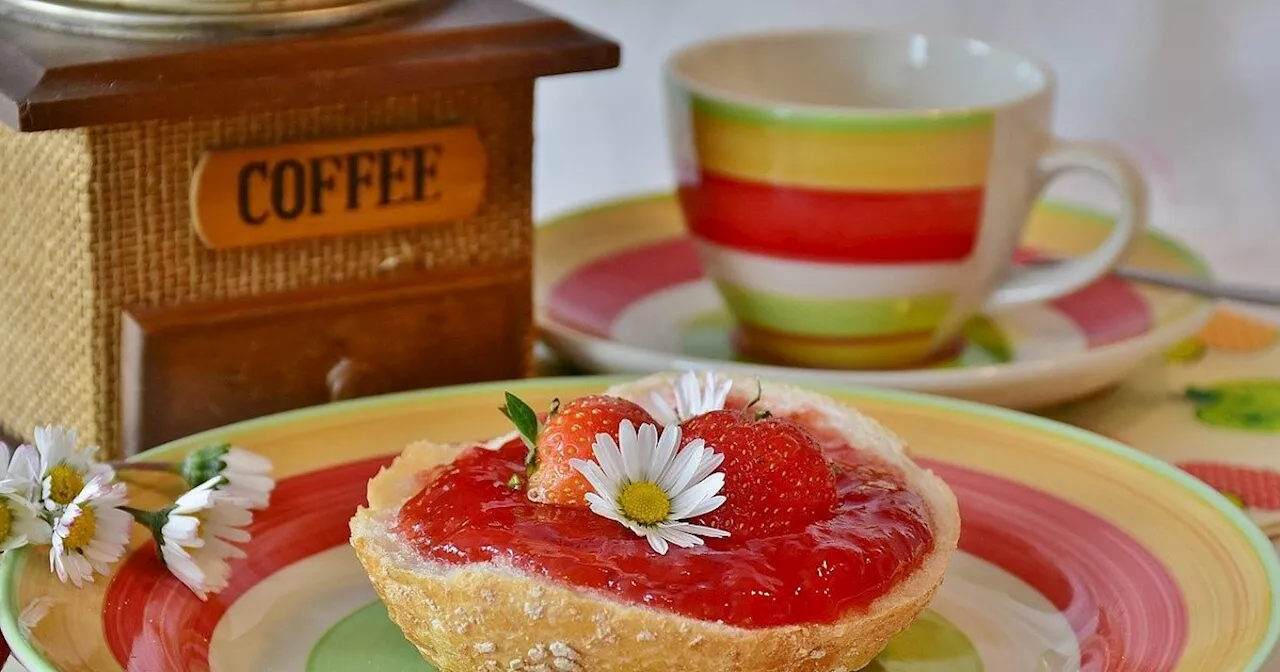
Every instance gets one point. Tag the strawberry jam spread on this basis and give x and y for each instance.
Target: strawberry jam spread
(815, 572)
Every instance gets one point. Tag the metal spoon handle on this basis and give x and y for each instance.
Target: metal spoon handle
(1261, 295)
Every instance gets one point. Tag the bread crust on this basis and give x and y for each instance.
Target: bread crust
(486, 616)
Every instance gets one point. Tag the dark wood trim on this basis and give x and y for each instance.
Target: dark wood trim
(52, 80)
(188, 368)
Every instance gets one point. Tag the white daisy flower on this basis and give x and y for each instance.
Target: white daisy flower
(246, 475)
(21, 523)
(91, 533)
(64, 468)
(642, 482)
(197, 536)
(20, 471)
(690, 397)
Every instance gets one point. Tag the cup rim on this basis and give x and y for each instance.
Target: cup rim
(711, 92)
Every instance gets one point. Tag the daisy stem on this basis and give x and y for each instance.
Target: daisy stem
(124, 465)
(144, 518)
(152, 520)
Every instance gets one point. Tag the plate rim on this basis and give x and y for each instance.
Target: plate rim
(26, 654)
(919, 380)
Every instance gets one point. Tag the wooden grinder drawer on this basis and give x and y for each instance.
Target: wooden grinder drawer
(198, 366)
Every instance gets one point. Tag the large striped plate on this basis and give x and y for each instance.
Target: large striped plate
(1076, 553)
(620, 289)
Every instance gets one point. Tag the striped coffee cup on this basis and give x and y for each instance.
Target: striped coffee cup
(857, 195)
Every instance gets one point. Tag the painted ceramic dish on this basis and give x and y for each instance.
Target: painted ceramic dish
(621, 289)
(1117, 562)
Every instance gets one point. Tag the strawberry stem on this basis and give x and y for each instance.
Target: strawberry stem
(526, 422)
(762, 413)
(758, 397)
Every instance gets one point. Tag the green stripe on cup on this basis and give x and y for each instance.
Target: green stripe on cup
(836, 318)
(837, 120)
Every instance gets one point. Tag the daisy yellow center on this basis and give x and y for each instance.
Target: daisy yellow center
(65, 483)
(81, 531)
(645, 503)
(6, 521)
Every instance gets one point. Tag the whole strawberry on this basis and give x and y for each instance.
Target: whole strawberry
(776, 476)
(568, 432)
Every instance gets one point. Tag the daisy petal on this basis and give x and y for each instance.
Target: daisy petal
(239, 459)
(707, 506)
(609, 457)
(680, 537)
(696, 494)
(596, 477)
(686, 467)
(662, 453)
(661, 409)
(709, 465)
(705, 531)
(233, 534)
(602, 508)
(657, 542)
(221, 549)
(646, 446)
(632, 456)
(25, 464)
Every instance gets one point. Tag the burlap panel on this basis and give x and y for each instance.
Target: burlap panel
(97, 219)
(46, 291)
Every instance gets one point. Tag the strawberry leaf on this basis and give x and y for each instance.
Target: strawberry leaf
(526, 422)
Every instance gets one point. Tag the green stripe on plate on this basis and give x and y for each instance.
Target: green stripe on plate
(366, 640)
(862, 121)
(836, 318)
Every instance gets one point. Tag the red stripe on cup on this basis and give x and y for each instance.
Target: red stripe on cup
(595, 294)
(834, 226)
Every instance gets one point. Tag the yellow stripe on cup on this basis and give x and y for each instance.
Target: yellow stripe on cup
(836, 317)
(869, 156)
(870, 353)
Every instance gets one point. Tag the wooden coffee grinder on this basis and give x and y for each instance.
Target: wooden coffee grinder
(212, 210)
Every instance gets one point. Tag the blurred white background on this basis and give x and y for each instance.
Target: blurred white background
(1190, 88)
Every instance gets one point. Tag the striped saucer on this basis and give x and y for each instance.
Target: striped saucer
(621, 289)
(1077, 553)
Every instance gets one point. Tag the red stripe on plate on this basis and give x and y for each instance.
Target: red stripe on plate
(153, 622)
(834, 226)
(594, 295)
(1126, 610)
(1108, 311)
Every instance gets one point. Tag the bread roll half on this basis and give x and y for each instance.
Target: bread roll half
(494, 617)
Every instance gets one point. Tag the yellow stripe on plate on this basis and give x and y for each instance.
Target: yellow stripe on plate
(1221, 563)
(598, 232)
(1213, 565)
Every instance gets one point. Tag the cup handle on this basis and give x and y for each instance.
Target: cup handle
(1042, 283)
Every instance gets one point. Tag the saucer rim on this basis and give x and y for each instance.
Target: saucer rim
(629, 358)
